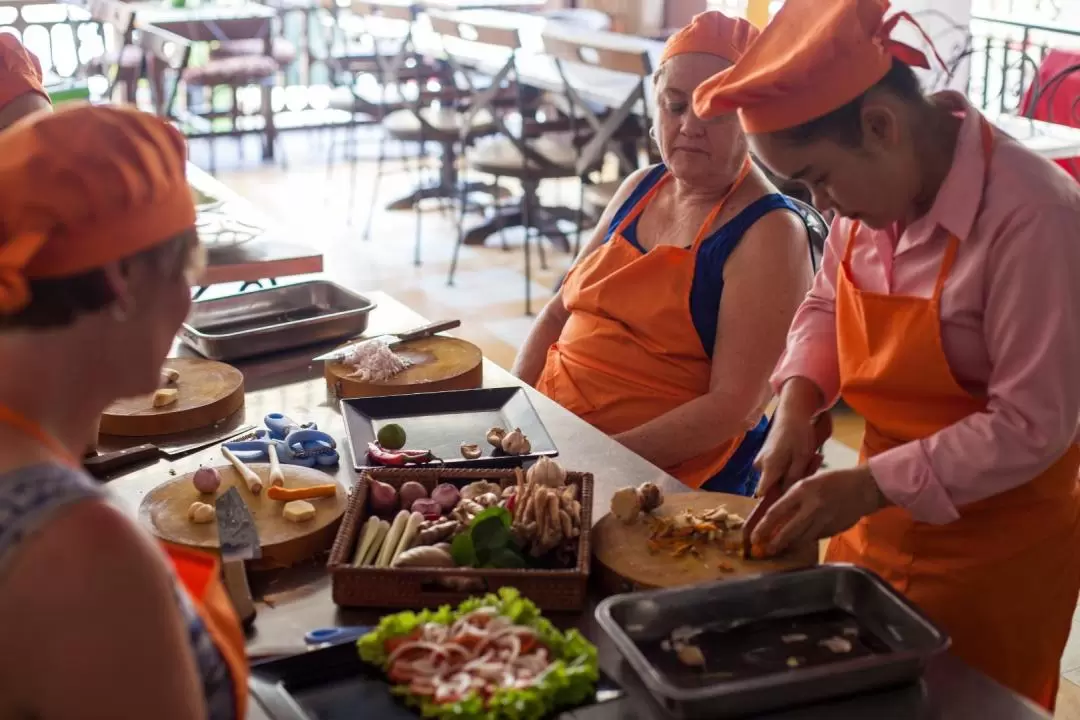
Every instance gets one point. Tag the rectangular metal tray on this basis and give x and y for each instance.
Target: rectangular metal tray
(441, 421)
(277, 318)
(642, 618)
(333, 684)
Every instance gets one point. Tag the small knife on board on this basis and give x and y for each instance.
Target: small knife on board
(239, 541)
(394, 339)
(107, 463)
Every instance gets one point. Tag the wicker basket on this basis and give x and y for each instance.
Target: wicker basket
(431, 587)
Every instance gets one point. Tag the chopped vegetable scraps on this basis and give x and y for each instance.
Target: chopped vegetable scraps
(493, 657)
(687, 532)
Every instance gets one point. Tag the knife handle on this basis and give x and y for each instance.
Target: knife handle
(426, 330)
(234, 577)
(107, 463)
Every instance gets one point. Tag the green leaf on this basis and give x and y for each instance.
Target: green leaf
(504, 558)
(463, 551)
(496, 511)
(489, 534)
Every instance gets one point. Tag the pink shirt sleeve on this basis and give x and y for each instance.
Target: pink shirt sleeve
(811, 341)
(1032, 329)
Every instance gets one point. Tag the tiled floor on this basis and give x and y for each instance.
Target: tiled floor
(488, 294)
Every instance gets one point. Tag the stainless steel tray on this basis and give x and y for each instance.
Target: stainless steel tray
(902, 638)
(277, 318)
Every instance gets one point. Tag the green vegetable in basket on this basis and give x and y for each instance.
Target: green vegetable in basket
(487, 543)
(568, 676)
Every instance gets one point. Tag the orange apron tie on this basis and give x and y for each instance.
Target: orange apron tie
(635, 306)
(1002, 580)
(199, 573)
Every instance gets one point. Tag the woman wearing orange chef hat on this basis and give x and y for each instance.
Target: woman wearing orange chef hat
(21, 92)
(97, 249)
(662, 335)
(947, 313)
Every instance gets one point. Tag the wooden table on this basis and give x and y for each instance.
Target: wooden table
(299, 599)
(267, 256)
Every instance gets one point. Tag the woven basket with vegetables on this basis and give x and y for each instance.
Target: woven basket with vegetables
(427, 537)
(492, 657)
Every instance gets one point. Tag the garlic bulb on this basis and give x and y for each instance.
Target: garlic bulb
(547, 472)
(515, 443)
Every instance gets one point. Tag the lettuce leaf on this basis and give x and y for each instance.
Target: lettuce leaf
(571, 680)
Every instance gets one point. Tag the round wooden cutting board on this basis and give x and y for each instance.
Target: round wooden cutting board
(208, 391)
(438, 363)
(284, 543)
(622, 551)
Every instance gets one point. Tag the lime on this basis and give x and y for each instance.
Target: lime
(392, 436)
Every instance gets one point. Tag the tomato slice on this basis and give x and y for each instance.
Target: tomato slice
(395, 642)
(401, 674)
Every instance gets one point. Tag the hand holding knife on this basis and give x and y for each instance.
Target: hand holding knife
(822, 429)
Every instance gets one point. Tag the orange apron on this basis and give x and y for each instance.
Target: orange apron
(1002, 579)
(634, 306)
(198, 572)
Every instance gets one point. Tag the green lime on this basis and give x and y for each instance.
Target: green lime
(392, 436)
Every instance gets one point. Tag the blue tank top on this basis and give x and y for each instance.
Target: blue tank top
(30, 497)
(738, 475)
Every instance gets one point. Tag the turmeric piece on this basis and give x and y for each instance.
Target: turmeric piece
(277, 492)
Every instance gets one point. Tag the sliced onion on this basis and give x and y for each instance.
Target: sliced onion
(413, 645)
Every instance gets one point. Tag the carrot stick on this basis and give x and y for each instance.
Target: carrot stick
(277, 492)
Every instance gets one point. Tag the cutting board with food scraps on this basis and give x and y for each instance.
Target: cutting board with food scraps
(169, 511)
(194, 393)
(434, 364)
(681, 539)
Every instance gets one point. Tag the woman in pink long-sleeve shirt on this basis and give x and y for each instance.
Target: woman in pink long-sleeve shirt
(946, 312)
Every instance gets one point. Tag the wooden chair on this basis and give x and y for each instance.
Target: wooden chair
(126, 64)
(385, 74)
(169, 52)
(583, 64)
(524, 148)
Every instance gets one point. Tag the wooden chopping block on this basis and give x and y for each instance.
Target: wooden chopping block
(284, 543)
(625, 563)
(438, 363)
(207, 392)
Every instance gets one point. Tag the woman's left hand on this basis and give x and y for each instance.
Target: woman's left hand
(817, 507)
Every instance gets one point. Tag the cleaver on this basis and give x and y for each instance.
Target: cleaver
(394, 339)
(239, 541)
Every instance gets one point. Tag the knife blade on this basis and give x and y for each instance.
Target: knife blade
(237, 535)
(394, 339)
(239, 541)
(104, 464)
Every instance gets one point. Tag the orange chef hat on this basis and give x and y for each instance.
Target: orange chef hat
(83, 187)
(814, 57)
(712, 33)
(20, 71)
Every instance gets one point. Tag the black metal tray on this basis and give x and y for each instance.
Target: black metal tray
(441, 421)
(757, 626)
(333, 684)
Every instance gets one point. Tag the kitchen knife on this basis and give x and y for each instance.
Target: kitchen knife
(104, 464)
(394, 339)
(239, 541)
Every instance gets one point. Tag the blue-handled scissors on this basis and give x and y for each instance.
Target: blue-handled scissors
(306, 445)
(335, 635)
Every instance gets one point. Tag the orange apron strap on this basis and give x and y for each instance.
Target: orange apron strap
(200, 575)
(703, 231)
(639, 206)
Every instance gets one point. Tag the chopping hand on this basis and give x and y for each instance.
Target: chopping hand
(821, 430)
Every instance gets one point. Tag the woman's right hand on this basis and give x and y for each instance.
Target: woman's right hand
(792, 450)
